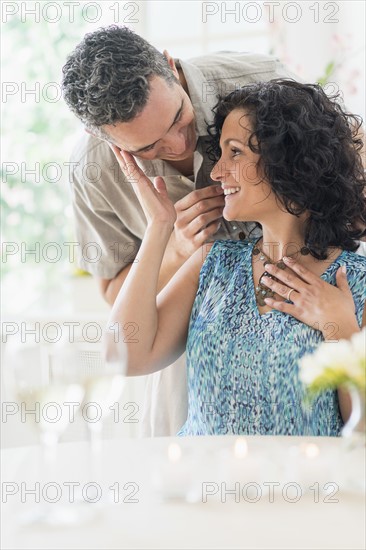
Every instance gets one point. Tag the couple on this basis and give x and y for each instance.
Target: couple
(287, 159)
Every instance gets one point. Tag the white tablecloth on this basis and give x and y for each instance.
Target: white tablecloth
(143, 518)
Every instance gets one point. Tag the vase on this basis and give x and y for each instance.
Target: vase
(354, 428)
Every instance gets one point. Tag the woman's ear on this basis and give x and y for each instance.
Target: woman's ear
(171, 63)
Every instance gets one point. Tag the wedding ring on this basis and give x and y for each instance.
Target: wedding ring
(289, 294)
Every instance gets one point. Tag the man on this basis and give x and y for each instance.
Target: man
(129, 94)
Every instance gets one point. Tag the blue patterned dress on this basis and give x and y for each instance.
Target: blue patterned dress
(242, 367)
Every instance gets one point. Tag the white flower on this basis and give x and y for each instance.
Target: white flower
(358, 343)
(310, 369)
(335, 363)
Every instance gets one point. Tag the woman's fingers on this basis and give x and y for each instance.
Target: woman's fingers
(117, 153)
(160, 186)
(128, 164)
(131, 169)
(341, 279)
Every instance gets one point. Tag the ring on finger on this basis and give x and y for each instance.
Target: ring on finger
(289, 294)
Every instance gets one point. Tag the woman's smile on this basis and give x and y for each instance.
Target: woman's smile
(230, 191)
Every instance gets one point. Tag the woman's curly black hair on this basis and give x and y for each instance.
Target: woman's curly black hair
(310, 155)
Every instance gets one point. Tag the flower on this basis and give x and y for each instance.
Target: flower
(335, 364)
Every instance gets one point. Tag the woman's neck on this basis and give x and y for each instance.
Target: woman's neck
(288, 241)
(285, 241)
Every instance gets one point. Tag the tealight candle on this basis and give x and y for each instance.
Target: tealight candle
(172, 475)
(239, 465)
(311, 450)
(240, 448)
(307, 465)
(174, 453)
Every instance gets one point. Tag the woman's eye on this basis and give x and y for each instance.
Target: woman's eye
(235, 151)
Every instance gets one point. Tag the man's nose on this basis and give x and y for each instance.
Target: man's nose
(177, 144)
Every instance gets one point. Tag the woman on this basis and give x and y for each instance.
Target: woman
(247, 311)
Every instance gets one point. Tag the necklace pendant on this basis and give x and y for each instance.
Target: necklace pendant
(261, 293)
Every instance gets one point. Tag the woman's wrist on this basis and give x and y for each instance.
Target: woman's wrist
(154, 243)
(160, 227)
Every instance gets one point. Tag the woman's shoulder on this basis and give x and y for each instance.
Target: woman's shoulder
(354, 262)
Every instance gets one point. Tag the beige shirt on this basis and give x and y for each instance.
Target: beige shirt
(109, 221)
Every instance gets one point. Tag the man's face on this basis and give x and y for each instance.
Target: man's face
(165, 129)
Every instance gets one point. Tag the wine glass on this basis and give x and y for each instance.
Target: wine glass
(39, 378)
(102, 380)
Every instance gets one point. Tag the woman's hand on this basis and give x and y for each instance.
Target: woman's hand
(154, 199)
(315, 302)
(195, 217)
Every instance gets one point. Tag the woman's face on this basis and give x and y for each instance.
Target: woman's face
(237, 170)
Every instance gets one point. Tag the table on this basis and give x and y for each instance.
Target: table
(143, 519)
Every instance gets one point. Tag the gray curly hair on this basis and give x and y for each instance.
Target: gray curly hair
(106, 78)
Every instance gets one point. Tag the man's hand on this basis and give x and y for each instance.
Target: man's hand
(314, 301)
(198, 215)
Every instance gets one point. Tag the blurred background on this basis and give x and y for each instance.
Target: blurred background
(319, 41)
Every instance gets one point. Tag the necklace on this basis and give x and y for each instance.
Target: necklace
(261, 290)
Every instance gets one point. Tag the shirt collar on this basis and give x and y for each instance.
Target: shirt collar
(200, 93)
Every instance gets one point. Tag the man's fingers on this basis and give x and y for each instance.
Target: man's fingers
(286, 276)
(206, 233)
(204, 219)
(198, 195)
(303, 272)
(185, 217)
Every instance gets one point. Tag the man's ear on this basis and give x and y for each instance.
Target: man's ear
(171, 63)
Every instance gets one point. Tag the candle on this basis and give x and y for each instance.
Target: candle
(306, 464)
(240, 448)
(240, 465)
(172, 475)
(174, 453)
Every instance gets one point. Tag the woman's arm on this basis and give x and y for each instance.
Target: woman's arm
(161, 322)
(159, 325)
(344, 398)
